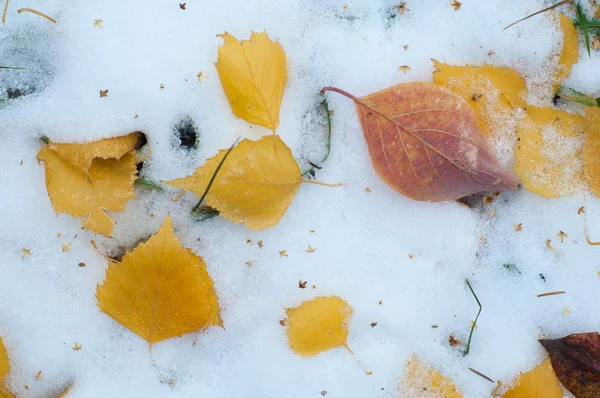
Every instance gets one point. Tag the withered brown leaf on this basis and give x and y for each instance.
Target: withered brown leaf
(425, 142)
(576, 362)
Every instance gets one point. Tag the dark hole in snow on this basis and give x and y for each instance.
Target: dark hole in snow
(187, 133)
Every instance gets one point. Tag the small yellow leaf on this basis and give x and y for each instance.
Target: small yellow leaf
(570, 50)
(538, 382)
(318, 325)
(422, 381)
(255, 184)
(549, 160)
(108, 185)
(4, 365)
(253, 74)
(495, 93)
(591, 149)
(160, 289)
(81, 155)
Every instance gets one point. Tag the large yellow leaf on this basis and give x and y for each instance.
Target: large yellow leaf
(4, 365)
(255, 185)
(160, 289)
(495, 93)
(591, 149)
(5, 393)
(570, 50)
(108, 185)
(539, 382)
(82, 155)
(318, 325)
(253, 74)
(420, 381)
(549, 159)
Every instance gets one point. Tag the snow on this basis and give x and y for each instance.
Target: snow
(363, 240)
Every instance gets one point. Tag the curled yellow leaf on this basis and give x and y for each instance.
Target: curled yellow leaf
(591, 149)
(318, 325)
(538, 382)
(255, 185)
(253, 74)
(422, 381)
(81, 155)
(160, 289)
(570, 50)
(549, 159)
(107, 185)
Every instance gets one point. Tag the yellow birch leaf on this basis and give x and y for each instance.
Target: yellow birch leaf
(255, 185)
(549, 152)
(570, 50)
(318, 325)
(160, 289)
(591, 149)
(107, 186)
(4, 393)
(496, 94)
(4, 365)
(82, 155)
(538, 382)
(253, 74)
(420, 381)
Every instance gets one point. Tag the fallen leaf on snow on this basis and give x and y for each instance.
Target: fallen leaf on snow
(25, 253)
(570, 50)
(494, 93)
(283, 253)
(538, 382)
(255, 184)
(404, 69)
(160, 289)
(103, 93)
(562, 236)
(253, 75)
(456, 4)
(85, 180)
(38, 375)
(76, 347)
(549, 152)
(318, 325)
(310, 249)
(591, 149)
(98, 23)
(425, 142)
(576, 362)
(419, 380)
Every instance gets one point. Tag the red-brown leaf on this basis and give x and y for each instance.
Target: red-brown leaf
(576, 362)
(425, 143)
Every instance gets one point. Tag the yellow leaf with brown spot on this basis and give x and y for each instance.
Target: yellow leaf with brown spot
(538, 382)
(253, 75)
(591, 149)
(570, 50)
(255, 185)
(108, 185)
(549, 152)
(492, 91)
(4, 365)
(160, 289)
(81, 155)
(422, 381)
(318, 325)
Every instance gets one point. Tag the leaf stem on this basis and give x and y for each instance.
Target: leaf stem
(475, 321)
(322, 183)
(4, 12)
(41, 14)
(212, 179)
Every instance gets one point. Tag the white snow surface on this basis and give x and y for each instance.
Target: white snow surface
(363, 240)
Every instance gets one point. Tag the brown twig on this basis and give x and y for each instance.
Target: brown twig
(481, 374)
(551, 293)
(539, 12)
(41, 14)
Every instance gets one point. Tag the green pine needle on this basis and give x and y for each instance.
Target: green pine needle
(195, 211)
(148, 184)
(11, 67)
(576, 96)
(474, 325)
